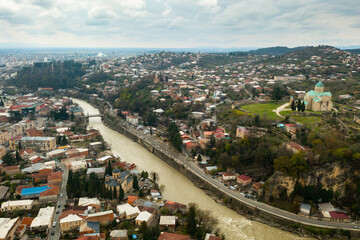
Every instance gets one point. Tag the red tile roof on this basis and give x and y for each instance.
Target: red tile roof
(173, 236)
(244, 177)
(339, 215)
(27, 221)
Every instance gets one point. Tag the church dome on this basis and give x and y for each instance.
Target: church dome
(116, 170)
(319, 84)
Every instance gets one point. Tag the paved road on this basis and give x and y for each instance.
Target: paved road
(281, 108)
(61, 201)
(181, 159)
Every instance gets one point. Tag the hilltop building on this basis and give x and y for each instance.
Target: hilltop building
(317, 100)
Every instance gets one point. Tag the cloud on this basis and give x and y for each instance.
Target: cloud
(180, 23)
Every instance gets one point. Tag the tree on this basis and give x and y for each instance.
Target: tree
(109, 168)
(303, 106)
(155, 176)
(278, 92)
(199, 158)
(17, 157)
(114, 193)
(144, 174)
(8, 159)
(135, 183)
(299, 105)
(121, 193)
(191, 220)
(293, 107)
(175, 137)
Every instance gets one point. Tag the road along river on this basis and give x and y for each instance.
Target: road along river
(180, 189)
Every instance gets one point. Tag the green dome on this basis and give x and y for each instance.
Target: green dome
(319, 84)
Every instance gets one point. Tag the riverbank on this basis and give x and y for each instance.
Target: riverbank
(249, 211)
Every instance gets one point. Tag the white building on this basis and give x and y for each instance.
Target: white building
(143, 217)
(128, 211)
(43, 219)
(78, 165)
(17, 205)
(8, 227)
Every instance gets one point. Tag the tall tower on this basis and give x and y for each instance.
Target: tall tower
(319, 87)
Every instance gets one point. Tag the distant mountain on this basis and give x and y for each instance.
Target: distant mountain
(357, 51)
(274, 50)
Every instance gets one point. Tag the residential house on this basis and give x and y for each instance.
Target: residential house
(102, 217)
(227, 176)
(295, 147)
(144, 216)
(100, 172)
(173, 236)
(55, 178)
(94, 203)
(89, 227)
(304, 210)
(127, 211)
(119, 235)
(175, 207)
(10, 170)
(244, 180)
(8, 227)
(70, 222)
(43, 220)
(17, 205)
(50, 195)
(168, 222)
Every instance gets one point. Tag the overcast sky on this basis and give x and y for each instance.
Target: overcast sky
(180, 23)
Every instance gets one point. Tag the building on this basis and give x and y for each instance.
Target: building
(50, 195)
(173, 236)
(56, 154)
(295, 147)
(43, 220)
(101, 217)
(10, 170)
(33, 192)
(304, 209)
(54, 178)
(119, 235)
(227, 176)
(134, 120)
(17, 205)
(70, 222)
(90, 202)
(89, 227)
(243, 180)
(8, 227)
(318, 100)
(127, 211)
(119, 178)
(144, 216)
(37, 143)
(167, 222)
(100, 172)
(78, 165)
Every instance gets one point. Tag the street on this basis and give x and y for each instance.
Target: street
(61, 201)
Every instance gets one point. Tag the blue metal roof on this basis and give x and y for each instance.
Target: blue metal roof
(94, 225)
(34, 190)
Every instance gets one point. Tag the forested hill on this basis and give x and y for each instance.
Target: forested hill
(60, 74)
(356, 51)
(269, 51)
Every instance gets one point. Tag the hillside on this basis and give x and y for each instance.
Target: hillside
(60, 74)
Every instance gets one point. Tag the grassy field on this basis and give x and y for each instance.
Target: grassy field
(263, 109)
(308, 121)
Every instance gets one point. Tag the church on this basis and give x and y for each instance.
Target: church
(318, 100)
(118, 178)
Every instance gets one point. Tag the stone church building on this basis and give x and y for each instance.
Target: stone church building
(317, 100)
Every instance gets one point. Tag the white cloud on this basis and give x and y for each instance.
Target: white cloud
(207, 3)
(180, 23)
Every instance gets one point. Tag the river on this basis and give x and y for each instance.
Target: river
(178, 188)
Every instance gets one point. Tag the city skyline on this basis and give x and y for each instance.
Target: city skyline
(178, 24)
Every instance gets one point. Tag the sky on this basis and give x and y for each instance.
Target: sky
(179, 23)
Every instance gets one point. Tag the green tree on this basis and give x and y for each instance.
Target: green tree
(135, 183)
(191, 220)
(299, 105)
(303, 106)
(114, 193)
(8, 159)
(293, 107)
(175, 137)
(121, 193)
